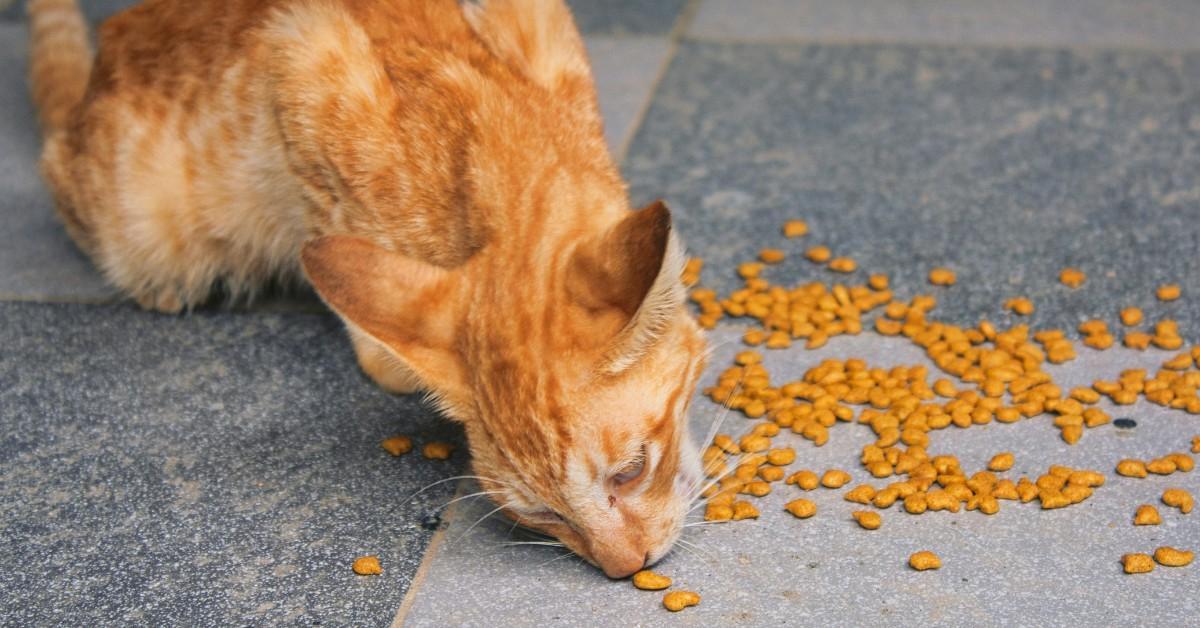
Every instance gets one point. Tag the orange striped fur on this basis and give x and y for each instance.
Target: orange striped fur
(438, 173)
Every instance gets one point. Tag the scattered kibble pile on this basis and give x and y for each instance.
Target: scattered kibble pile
(985, 374)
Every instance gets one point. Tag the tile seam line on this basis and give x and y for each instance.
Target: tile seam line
(925, 43)
(676, 34)
(434, 547)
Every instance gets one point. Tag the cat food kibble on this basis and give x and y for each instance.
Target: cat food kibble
(806, 480)
(397, 445)
(942, 277)
(781, 457)
(1019, 305)
(868, 520)
(818, 254)
(925, 560)
(676, 601)
(1137, 563)
(367, 566)
(835, 478)
(1178, 498)
(649, 581)
(1168, 292)
(744, 510)
(771, 256)
(1132, 468)
(1171, 557)
(1001, 462)
(1072, 277)
(843, 265)
(437, 450)
(1131, 316)
(1146, 515)
(795, 228)
(1196, 444)
(801, 508)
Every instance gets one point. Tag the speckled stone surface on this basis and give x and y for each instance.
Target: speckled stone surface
(626, 17)
(37, 259)
(1108, 23)
(1004, 165)
(213, 469)
(625, 69)
(1022, 566)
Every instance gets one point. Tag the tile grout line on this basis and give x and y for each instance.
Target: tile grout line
(801, 40)
(673, 38)
(431, 551)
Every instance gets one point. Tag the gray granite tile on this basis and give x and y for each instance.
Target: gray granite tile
(1022, 566)
(626, 17)
(37, 259)
(213, 469)
(625, 70)
(1005, 165)
(95, 10)
(1109, 23)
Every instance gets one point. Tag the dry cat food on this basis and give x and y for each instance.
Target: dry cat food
(676, 601)
(1168, 292)
(1146, 515)
(924, 560)
(649, 581)
(1178, 498)
(1171, 557)
(367, 566)
(942, 277)
(1072, 277)
(801, 508)
(397, 445)
(867, 519)
(1137, 563)
(795, 228)
(437, 450)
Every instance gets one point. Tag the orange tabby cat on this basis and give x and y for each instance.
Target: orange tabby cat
(438, 173)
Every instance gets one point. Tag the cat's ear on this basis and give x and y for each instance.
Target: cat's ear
(633, 269)
(539, 40)
(406, 305)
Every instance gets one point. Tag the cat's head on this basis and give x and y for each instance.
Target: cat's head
(571, 371)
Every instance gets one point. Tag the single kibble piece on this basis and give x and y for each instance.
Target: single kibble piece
(676, 601)
(1161, 466)
(878, 281)
(771, 256)
(1146, 515)
(861, 494)
(437, 450)
(756, 488)
(367, 566)
(801, 508)
(749, 270)
(781, 457)
(718, 512)
(647, 580)
(922, 561)
(1001, 462)
(1072, 277)
(794, 228)
(397, 445)
(806, 480)
(818, 254)
(1168, 292)
(770, 474)
(835, 478)
(843, 265)
(1171, 557)
(868, 520)
(1178, 498)
(942, 277)
(1132, 468)
(1131, 316)
(1196, 444)
(744, 510)
(1137, 563)
(1019, 305)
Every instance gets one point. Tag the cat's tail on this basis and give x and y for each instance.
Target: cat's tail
(60, 60)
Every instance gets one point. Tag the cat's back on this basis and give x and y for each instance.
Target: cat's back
(179, 48)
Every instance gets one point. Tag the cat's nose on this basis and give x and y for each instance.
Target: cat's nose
(624, 566)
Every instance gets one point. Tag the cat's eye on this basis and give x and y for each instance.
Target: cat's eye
(631, 471)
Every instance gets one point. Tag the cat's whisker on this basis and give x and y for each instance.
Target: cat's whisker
(696, 550)
(545, 543)
(443, 481)
(567, 554)
(477, 522)
(458, 499)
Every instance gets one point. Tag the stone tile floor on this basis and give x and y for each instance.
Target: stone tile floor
(222, 467)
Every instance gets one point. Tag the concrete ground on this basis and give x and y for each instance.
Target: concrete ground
(223, 467)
